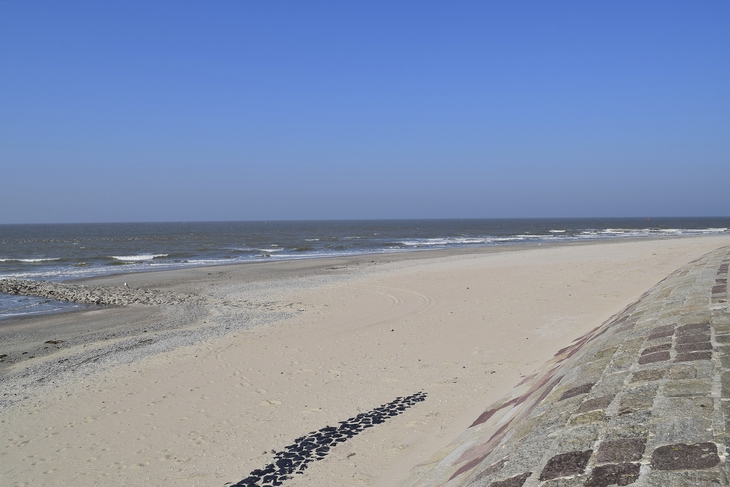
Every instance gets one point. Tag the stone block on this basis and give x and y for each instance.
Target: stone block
(692, 356)
(650, 375)
(591, 372)
(687, 387)
(585, 418)
(576, 391)
(682, 429)
(656, 348)
(578, 481)
(724, 353)
(654, 357)
(565, 464)
(721, 326)
(725, 381)
(694, 347)
(692, 329)
(605, 354)
(661, 332)
(632, 345)
(580, 438)
(596, 403)
(610, 384)
(688, 406)
(623, 360)
(637, 399)
(614, 474)
(685, 457)
(524, 428)
(694, 338)
(516, 481)
(621, 451)
(684, 478)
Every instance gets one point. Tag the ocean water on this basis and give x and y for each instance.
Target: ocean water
(71, 251)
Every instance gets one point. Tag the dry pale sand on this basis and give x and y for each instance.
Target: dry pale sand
(334, 338)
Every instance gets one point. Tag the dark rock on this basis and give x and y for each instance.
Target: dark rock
(596, 403)
(657, 348)
(566, 464)
(619, 474)
(685, 457)
(576, 391)
(654, 357)
(516, 481)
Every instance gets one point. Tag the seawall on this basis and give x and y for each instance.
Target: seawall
(642, 400)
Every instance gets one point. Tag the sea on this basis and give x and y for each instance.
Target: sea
(61, 252)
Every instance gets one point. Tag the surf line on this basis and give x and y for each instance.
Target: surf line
(295, 458)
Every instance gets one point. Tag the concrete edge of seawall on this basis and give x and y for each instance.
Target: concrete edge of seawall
(642, 399)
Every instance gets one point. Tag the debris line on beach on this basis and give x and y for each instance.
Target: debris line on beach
(295, 458)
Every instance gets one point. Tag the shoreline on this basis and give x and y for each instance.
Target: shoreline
(312, 332)
(356, 259)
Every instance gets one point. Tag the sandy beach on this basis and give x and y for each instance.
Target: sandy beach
(204, 393)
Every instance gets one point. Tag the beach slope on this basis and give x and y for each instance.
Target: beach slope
(213, 391)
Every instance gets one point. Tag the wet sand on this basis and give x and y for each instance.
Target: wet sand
(204, 393)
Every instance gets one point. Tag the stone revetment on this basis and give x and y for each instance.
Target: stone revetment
(642, 400)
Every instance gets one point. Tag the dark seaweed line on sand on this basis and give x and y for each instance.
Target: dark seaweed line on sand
(295, 458)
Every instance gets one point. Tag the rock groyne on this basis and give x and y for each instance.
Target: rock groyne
(101, 295)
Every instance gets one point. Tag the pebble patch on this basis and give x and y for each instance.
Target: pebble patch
(295, 458)
(101, 295)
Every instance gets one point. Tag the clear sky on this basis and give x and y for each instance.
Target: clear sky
(260, 110)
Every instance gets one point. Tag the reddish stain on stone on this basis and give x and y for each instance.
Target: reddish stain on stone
(621, 451)
(565, 464)
(468, 466)
(654, 357)
(657, 348)
(516, 481)
(571, 350)
(576, 391)
(692, 356)
(544, 394)
(500, 431)
(489, 413)
(484, 417)
(617, 474)
(527, 379)
(685, 457)
(694, 347)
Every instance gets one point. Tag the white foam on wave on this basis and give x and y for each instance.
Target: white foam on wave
(31, 261)
(557, 231)
(268, 251)
(444, 241)
(138, 257)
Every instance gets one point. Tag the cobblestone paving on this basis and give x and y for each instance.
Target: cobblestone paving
(642, 400)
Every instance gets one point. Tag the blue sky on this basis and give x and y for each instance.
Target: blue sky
(242, 110)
